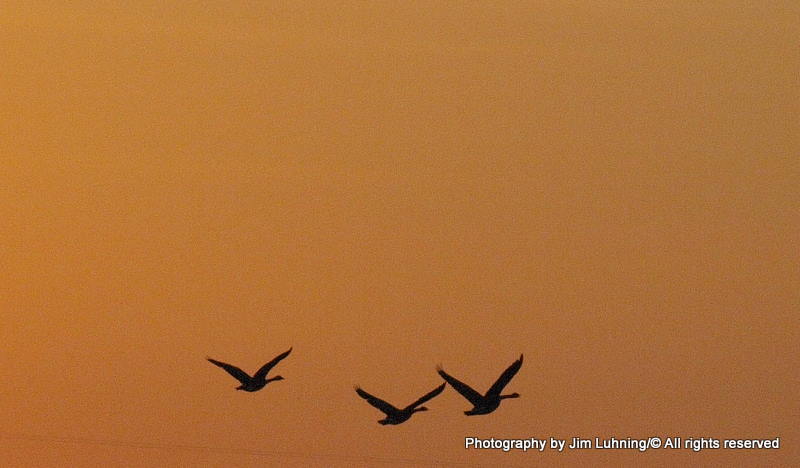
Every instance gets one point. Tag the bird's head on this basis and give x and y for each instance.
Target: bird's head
(421, 408)
(277, 377)
(513, 395)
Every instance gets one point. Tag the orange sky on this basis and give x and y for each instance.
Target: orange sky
(607, 187)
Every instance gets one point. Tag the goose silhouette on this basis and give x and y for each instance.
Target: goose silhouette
(258, 380)
(484, 404)
(396, 415)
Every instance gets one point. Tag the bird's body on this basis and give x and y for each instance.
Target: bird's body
(395, 415)
(484, 404)
(259, 380)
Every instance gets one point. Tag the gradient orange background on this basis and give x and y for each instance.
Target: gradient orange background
(607, 187)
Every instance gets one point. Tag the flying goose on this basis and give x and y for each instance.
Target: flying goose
(258, 380)
(395, 415)
(484, 404)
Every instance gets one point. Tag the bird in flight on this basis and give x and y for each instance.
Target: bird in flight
(396, 415)
(484, 404)
(258, 380)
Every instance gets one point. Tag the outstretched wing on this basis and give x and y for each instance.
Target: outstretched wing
(506, 377)
(237, 373)
(465, 390)
(427, 397)
(376, 402)
(268, 366)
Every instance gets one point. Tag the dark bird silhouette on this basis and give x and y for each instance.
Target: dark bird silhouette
(484, 404)
(396, 415)
(258, 380)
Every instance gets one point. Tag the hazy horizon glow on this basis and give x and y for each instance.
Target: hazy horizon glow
(609, 188)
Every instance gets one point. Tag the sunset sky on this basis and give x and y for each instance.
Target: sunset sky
(609, 187)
